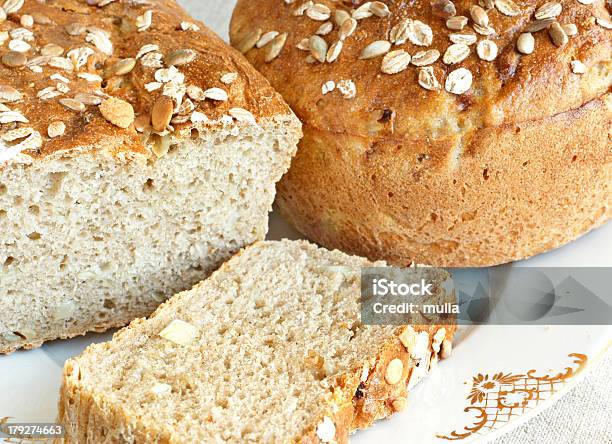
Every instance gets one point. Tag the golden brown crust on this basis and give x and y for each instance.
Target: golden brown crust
(518, 190)
(401, 173)
(357, 403)
(119, 20)
(513, 88)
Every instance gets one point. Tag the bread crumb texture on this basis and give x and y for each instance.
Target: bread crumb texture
(268, 349)
(137, 153)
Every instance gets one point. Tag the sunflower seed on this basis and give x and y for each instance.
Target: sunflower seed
(458, 81)
(318, 12)
(196, 93)
(548, 10)
(72, 104)
(216, 94)
(586, 2)
(456, 53)
(19, 46)
(9, 94)
(48, 93)
(427, 78)
(557, 34)
(12, 6)
(188, 26)
(328, 87)
(12, 116)
(249, 41)
(395, 61)
(300, 10)
(161, 114)
(303, 45)
(26, 20)
(466, 39)
(363, 11)
(88, 99)
(483, 30)
(570, 29)
(52, 50)
(325, 28)
(399, 32)
(334, 51)
(525, 43)
(266, 38)
(180, 57)
(578, 67)
(32, 142)
(347, 28)
(14, 59)
(420, 33)
(123, 67)
(16, 134)
(90, 77)
(379, 9)
(100, 39)
(275, 47)
(479, 16)
(423, 58)
(507, 7)
(56, 129)
(318, 48)
(538, 25)
(375, 49)
(146, 49)
(143, 22)
(456, 23)
(75, 29)
(41, 19)
(242, 115)
(340, 16)
(443, 8)
(347, 88)
(228, 78)
(604, 22)
(487, 50)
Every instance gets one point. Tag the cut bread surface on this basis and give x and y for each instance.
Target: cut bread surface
(92, 242)
(138, 151)
(268, 349)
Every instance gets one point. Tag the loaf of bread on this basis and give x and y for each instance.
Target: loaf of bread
(269, 349)
(461, 133)
(138, 152)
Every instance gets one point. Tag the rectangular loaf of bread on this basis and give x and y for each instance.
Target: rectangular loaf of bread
(137, 152)
(269, 349)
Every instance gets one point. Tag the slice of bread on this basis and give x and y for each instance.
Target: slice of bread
(149, 156)
(269, 349)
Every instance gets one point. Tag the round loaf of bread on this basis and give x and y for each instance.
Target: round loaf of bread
(456, 134)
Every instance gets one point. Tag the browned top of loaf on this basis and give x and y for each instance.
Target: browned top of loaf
(92, 27)
(511, 88)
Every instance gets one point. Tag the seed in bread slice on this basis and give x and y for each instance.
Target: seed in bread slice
(268, 349)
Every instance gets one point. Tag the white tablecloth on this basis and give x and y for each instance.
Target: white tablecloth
(584, 415)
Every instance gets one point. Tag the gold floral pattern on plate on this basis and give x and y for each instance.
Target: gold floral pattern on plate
(499, 398)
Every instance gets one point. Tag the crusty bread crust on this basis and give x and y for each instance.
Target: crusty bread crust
(118, 20)
(518, 165)
(517, 191)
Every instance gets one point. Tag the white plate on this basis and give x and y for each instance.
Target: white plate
(558, 355)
